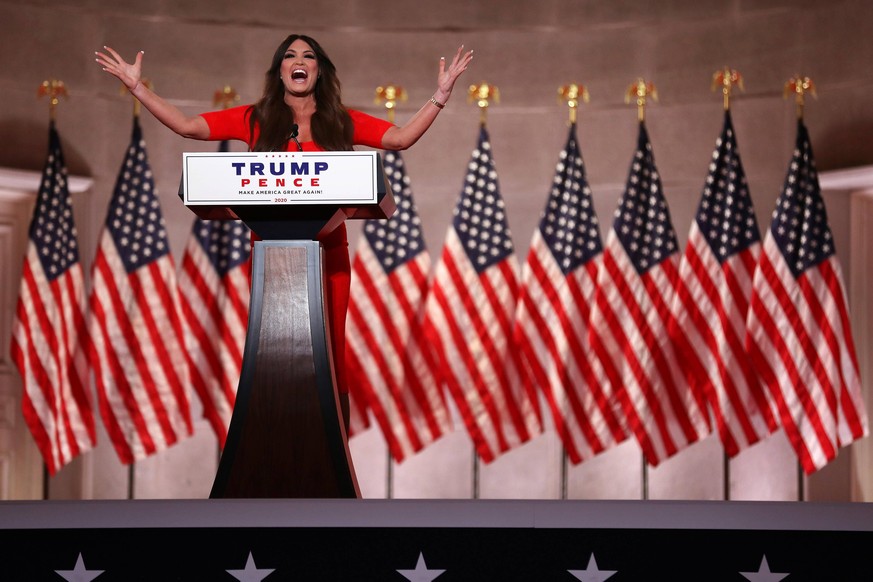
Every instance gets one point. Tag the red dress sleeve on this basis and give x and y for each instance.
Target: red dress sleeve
(231, 123)
(368, 129)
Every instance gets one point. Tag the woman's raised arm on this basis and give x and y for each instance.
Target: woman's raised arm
(403, 136)
(131, 75)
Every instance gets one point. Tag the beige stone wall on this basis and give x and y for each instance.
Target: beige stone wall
(527, 49)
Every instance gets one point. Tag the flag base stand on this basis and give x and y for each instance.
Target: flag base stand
(286, 438)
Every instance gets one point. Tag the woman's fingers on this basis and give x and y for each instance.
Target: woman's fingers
(115, 56)
(461, 60)
(114, 59)
(112, 63)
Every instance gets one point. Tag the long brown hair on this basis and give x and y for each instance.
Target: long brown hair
(331, 124)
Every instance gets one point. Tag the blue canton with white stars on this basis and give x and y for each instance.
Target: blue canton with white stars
(642, 219)
(227, 243)
(725, 216)
(569, 225)
(480, 216)
(135, 220)
(800, 222)
(398, 239)
(52, 229)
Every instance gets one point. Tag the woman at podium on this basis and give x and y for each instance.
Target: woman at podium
(301, 109)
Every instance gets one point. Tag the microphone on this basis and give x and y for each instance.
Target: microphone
(293, 135)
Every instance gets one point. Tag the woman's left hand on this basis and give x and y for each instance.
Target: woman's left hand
(449, 74)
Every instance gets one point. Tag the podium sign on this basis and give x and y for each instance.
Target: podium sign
(258, 178)
(286, 195)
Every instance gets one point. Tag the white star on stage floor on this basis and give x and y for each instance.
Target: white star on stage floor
(764, 574)
(79, 573)
(421, 573)
(592, 573)
(251, 573)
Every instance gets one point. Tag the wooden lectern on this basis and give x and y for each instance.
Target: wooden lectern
(287, 438)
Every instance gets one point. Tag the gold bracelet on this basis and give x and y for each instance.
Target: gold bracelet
(437, 103)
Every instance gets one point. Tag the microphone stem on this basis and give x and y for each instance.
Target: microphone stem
(293, 135)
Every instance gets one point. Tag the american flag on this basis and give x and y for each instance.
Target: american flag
(551, 324)
(799, 335)
(469, 314)
(384, 353)
(215, 288)
(628, 330)
(712, 301)
(359, 414)
(49, 335)
(138, 350)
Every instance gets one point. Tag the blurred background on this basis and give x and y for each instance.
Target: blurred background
(528, 50)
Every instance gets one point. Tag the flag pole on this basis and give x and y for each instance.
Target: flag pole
(799, 86)
(641, 91)
(726, 79)
(137, 107)
(389, 95)
(483, 94)
(223, 98)
(644, 480)
(571, 94)
(54, 89)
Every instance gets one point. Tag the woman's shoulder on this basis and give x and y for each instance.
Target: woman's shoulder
(361, 118)
(356, 114)
(230, 123)
(368, 128)
(236, 112)
(239, 110)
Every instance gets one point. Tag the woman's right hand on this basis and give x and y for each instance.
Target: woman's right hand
(127, 73)
(194, 126)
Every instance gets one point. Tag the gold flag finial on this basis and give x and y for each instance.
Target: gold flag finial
(483, 94)
(640, 92)
(225, 97)
(799, 86)
(390, 95)
(572, 93)
(727, 79)
(54, 89)
(136, 104)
